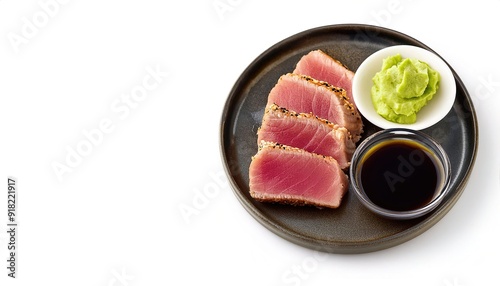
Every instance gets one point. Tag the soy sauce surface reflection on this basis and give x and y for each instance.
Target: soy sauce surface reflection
(400, 175)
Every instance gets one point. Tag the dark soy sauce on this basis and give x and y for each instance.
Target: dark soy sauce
(400, 175)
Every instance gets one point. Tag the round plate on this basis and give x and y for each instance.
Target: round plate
(351, 228)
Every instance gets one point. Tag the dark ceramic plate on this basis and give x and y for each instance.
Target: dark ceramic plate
(351, 228)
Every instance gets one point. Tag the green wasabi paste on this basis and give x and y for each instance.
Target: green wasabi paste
(402, 88)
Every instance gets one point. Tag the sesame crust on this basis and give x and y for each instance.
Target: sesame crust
(274, 145)
(292, 114)
(338, 91)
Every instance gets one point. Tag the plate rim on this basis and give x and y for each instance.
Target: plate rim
(332, 246)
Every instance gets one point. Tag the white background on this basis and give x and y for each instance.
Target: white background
(114, 216)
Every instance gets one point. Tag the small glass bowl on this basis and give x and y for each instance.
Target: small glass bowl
(372, 144)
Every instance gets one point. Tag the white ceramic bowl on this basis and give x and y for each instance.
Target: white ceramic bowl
(435, 110)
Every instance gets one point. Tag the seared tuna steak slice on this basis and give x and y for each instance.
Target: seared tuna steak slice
(318, 65)
(289, 175)
(304, 94)
(308, 132)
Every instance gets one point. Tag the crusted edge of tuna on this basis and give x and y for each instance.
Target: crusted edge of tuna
(329, 57)
(340, 92)
(292, 201)
(275, 145)
(290, 113)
